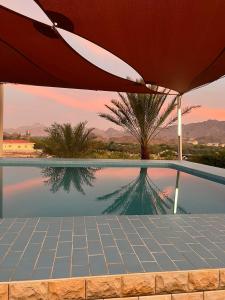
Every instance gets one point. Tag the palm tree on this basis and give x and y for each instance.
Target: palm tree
(67, 177)
(140, 197)
(67, 141)
(143, 115)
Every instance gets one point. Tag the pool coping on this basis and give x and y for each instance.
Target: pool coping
(204, 171)
(173, 285)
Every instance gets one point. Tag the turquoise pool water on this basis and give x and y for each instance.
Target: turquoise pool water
(76, 191)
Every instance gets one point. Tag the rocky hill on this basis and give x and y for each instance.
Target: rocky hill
(204, 132)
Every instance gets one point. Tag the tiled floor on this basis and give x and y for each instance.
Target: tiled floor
(80, 246)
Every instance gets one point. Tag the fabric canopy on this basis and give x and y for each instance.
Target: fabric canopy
(174, 44)
(33, 53)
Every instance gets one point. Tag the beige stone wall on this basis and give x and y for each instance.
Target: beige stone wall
(180, 285)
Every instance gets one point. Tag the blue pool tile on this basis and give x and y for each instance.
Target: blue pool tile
(143, 253)
(201, 250)
(132, 263)
(196, 260)
(165, 262)
(64, 249)
(80, 271)
(46, 259)
(80, 257)
(153, 245)
(107, 240)
(6, 274)
(172, 252)
(134, 239)
(94, 247)
(124, 246)
(112, 255)
(50, 243)
(11, 260)
(116, 269)
(65, 236)
(118, 233)
(38, 237)
(79, 241)
(93, 235)
(8, 238)
(42, 273)
(61, 268)
(98, 265)
(151, 266)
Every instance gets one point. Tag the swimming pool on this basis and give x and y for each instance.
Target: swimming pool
(48, 191)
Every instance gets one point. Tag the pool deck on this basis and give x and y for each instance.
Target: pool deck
(46, 248)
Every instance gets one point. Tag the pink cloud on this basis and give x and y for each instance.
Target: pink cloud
(205, 113)
(96, 105)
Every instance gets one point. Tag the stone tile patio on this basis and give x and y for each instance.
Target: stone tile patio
(44, 248)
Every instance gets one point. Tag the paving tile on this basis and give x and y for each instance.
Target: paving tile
(134, 239)
(124, 246)
(46, 259)
(131, 263)
(118, 233)
(164, 262)
(6, 274)
(93, 235)
(38, 237)
(65, 236)
(61, 268)
(50, 243)
(112, 255)
(172, 252)
(64, 249)
(8, 238)
(153, 245)
(107, 240)
(116, 269)
(3, 250)
(104, 229)
(196, 260)
(94, 247)
(42, 273)
(201, 250)
(80, 257)
(97, 265)
(143, 253)
(79, 241)
(80, 271)
(151, 266)
(11, 260)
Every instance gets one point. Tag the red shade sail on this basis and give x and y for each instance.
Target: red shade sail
(33, 53)
(175, 44)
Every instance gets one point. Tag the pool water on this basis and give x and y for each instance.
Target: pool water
(75, 191)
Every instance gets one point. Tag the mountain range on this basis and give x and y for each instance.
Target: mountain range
(203, 132)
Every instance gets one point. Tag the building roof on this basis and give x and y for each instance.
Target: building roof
(175, 44)
(17, 142)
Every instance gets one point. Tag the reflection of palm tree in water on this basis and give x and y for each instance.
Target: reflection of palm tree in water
(63, 178)
(140, 196)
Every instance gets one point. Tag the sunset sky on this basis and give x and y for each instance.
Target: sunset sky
(25, 105)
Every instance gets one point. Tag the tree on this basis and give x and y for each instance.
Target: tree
(144, 115)
(141, 196)
(67, 177)
(67, 141)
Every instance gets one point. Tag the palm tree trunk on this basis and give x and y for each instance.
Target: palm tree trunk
(144, 152)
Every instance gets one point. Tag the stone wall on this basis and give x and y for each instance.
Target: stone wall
(180, 285)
